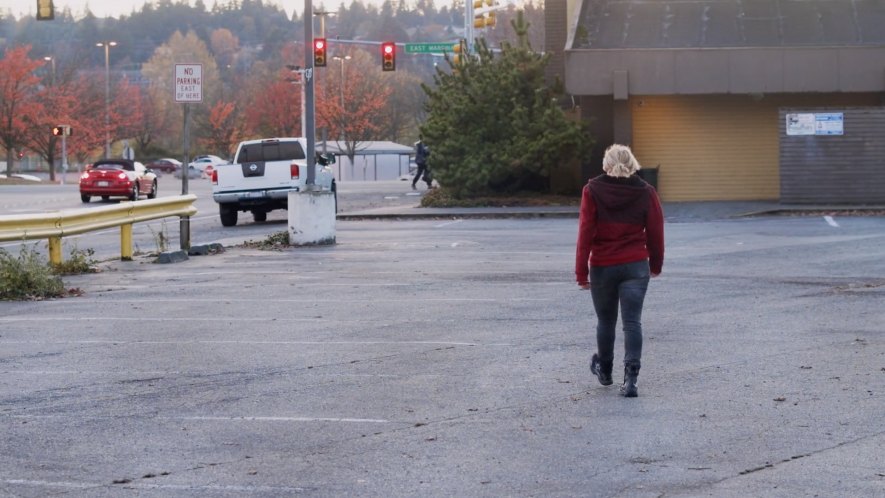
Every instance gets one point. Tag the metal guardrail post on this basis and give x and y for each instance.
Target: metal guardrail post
(55, 250)
(126, 242)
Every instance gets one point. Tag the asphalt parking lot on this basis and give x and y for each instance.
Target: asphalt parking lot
(450, 357)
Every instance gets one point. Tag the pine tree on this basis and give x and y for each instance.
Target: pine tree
(495, 126)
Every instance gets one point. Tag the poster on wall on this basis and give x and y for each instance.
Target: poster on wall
(823, 123)
(829, 123)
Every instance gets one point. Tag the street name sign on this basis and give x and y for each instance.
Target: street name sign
(429, 48)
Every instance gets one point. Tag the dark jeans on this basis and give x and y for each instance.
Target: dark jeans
(623, 285)
(422, 171)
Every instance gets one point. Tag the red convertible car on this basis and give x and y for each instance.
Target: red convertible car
(117, 178)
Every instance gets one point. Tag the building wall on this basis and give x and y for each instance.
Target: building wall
(719, 147)
(370, 167)
(837, 169)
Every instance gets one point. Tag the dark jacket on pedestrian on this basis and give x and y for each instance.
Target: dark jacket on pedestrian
(621, 221)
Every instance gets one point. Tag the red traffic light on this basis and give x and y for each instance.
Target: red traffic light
(388, 56)
(319, 52)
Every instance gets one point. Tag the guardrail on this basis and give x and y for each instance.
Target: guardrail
(57, 224)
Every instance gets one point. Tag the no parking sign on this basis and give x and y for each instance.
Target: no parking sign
(188, 83)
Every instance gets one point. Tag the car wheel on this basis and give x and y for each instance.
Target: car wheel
(85, 198)
(259, 215)
(134, 195)
(228, 215)
(153, 194)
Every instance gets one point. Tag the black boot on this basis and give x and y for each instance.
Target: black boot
(631, 373)
(602, 371)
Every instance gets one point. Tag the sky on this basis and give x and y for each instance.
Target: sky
(114, 8)
(111, 8)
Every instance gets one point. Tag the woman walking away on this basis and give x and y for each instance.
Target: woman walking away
(620, 246)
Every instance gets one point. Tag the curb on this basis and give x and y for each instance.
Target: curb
(444, 216)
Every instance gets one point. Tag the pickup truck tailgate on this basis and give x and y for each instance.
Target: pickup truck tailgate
(256, 174)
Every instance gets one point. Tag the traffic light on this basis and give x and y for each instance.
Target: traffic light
(484, 17)
(319, 52)
(459, 51)
(45, 10)
(388, 56)
(58, 131)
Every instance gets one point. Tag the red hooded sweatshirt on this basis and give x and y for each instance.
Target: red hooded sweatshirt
(621, 222)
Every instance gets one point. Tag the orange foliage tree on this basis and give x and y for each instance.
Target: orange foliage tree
(275, 108)
(18, 87)
(224, 129)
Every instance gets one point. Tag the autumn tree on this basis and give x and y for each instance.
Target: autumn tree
(224, 130)
(87, 119)
(18, 84)
(181, 49)
(54, 104)
(275, 107)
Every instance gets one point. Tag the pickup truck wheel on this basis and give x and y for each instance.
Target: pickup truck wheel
(228, 215)
(259, 215)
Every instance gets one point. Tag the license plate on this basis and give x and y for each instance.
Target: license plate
(102, 184)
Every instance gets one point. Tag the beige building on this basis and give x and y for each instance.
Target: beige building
(696, 86)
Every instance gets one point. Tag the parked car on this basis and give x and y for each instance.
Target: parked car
(192, 172)
(201, 162)
(117, 178)
(166, 165)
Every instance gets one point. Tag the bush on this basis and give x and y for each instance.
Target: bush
(79, 262)
(28, 276)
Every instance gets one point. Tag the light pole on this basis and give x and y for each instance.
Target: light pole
(341, 81)
(51, 60)
(300, 82)
(107, 93)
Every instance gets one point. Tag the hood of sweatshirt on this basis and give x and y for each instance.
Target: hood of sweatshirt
(622, 200)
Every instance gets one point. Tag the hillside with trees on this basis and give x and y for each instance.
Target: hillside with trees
(246, 48)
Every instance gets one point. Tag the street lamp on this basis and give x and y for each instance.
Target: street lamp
(341, 84)
(107, 93)
(300, 82)
(51, 60)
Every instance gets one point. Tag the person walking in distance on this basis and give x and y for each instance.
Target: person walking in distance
(620, 247)
(421, 153)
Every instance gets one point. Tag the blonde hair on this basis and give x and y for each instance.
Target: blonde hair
(619, 161)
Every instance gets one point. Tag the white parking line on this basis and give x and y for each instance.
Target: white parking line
(447, 224)
(273, 343)
(281, 419)
(177, 487)
(830, 221)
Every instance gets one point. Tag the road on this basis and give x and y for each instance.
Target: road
(205, 226)
(447, 358)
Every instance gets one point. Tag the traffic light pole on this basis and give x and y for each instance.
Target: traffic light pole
(309, 103)
(64, 158)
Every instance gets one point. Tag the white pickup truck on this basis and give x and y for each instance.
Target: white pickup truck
(262, 175)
